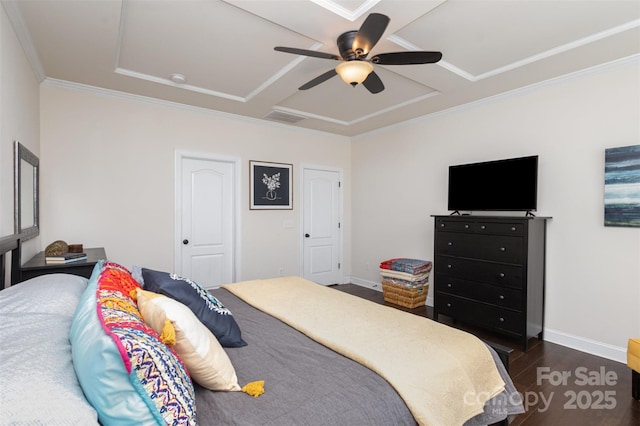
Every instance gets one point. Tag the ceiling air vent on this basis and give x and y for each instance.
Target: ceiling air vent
(284, 117)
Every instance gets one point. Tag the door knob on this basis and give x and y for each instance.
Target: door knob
(185, 241)
(307, 235)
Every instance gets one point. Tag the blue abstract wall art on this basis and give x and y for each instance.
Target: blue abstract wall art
(622, 186)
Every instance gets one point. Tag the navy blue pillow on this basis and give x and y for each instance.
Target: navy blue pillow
(209, 310)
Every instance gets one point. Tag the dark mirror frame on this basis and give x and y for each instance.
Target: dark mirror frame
(23, 154)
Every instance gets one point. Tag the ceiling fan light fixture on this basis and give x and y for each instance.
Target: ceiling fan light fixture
(354, 72)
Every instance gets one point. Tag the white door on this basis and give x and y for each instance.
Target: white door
(321, 226)
(206, 225)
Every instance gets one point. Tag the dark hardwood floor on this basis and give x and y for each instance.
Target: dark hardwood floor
(597, 391)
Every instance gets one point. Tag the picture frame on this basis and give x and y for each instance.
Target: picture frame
(622, 186)
(271, 186)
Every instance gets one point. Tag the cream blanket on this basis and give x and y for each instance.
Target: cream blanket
(444, 375)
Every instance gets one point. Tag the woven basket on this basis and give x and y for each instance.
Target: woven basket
(404, 296)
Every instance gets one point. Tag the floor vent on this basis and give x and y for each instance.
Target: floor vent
(284, 117)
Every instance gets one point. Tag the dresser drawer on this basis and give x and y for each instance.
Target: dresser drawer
(454, 225)
(495, 295)
(497, 248)
(481, 314)
(477, 270)
(480, 227)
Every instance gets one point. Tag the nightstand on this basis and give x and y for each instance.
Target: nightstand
(37, 266)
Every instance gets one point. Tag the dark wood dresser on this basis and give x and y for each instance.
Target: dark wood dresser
(37, 266)
(489, 271)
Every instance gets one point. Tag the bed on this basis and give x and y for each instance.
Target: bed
(48, 363)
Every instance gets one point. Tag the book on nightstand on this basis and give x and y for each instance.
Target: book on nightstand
(65, 258)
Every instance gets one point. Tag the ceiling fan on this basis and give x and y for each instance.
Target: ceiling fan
(354, 46)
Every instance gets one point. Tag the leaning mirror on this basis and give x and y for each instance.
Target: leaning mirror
(26, 204)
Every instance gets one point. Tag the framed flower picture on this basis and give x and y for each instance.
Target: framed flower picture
(271, 186)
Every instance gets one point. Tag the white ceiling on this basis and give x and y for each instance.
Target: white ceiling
(225, 50)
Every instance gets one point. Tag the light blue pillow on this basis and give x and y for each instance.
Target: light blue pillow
(125, 371)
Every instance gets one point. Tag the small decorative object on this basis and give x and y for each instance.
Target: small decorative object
(622, 186)
(56, 248)
(76, 248)
(271, 186)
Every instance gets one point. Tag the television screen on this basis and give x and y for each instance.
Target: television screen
(503, 185)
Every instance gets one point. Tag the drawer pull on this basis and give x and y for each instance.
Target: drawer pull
(513, 228)
(501, 319)
(449, 285)
(449, 243)
(449, 266)
(466, 226)
(442, 225)
(483, 227)
(503, 249)
(448, 305)
(501, 297)
(501, 275)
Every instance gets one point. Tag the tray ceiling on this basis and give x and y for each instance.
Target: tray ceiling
(224, 50)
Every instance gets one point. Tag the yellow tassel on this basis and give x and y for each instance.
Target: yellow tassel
(168, 335)
(255, 389)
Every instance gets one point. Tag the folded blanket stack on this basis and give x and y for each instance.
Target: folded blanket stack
(407, 272)
(405, 281)
(410, 266)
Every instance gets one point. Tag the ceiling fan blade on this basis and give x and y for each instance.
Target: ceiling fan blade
(373, 83)
(406, 58)
(369, 33)
(306, 52)
(319, 79)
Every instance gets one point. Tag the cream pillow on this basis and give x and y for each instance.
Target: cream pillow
(200, 351)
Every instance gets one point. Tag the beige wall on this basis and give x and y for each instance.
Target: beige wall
(108, 176)
(593, 272)
(19, 120)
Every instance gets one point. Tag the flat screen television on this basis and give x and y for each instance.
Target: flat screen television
(502, 185)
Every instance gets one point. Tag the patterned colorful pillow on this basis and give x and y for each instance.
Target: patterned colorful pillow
(209, 310)
(125, 371)
(198, 348)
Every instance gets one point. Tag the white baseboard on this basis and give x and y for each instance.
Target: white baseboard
(366, 283)
(583, 344)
